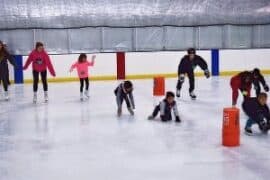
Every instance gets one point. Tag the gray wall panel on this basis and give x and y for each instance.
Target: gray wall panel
(85, 40)
(149, 39)
(210, 37)
(117, 39)
(179, 38)
(62, 41)
(55, 40)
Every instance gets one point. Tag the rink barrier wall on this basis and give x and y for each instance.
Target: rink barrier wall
(149, 65)
(136, 76)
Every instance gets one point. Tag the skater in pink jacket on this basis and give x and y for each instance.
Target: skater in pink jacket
(40, 63)
(82, 69)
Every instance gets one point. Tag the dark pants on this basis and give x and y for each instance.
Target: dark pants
(120, 100)
(82, 80)
(191, 82)
(250, 122)
(166, 117)
(4, 79)
(43, 78)
(8, 78)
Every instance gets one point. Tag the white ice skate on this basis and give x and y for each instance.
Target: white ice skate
(192, 95)
(46, 97)
(81, 96)
(86, 93)
(35, 98)
(6, 96)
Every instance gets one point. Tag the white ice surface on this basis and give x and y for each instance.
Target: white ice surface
(71, 140)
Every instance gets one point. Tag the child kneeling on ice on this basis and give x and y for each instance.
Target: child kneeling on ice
(165, 107)
(82, 69)
(124, 92)
(257, 112)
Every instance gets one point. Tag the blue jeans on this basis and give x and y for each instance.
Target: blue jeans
(250, 122)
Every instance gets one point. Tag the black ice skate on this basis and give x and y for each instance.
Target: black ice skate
(177, 119)
(248, 131)
(178, 93)
(119, 112)
(192, 95)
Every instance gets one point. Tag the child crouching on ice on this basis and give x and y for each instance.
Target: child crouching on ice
(165, 107)
(257, 112)
(82, 69)
(124, 92)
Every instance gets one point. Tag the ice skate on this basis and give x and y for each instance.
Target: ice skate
(86, 93)
(150, 117)
(130, 110)
(6, 96)
(178, 93)
(35, 98)
(46, 97)
(81, 96)
(248, 131)
(119, 112)
(192, 95)
(177, 119)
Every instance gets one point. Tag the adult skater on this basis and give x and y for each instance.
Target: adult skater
(187, 66)
(4, 73)
(6, 48)
(257, 80)
(242, 82)
(165, 108)
(258, 113)
(40, 62)
(125, 92)
(82, 69)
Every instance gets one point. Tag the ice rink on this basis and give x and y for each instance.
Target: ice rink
(67, 139)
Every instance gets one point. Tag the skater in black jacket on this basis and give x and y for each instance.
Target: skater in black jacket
(4, 73)
(124, 92)
(187, 66)
(257, 112)
(165, 107)
(257, 80)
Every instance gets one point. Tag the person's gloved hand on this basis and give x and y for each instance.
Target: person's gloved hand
(245, 93)
(207, 73)
(266, 88)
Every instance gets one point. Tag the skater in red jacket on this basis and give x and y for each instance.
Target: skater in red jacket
(242, 82)
(40, 63)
